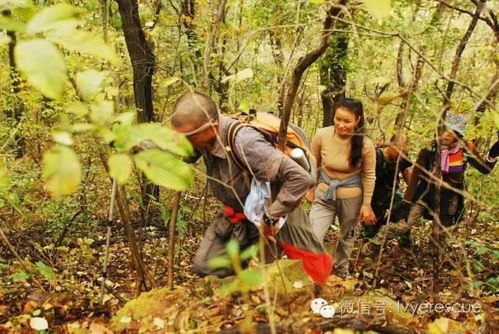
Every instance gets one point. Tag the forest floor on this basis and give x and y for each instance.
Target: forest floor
(399, 300)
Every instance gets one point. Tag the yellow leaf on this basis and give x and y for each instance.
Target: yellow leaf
(61, 170)
(378, 8)
(387, 97)
(120, 167)
(496, 118)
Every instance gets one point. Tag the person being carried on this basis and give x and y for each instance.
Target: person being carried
(388, 172)
(456, 154)
(196, 116)
(346, 176)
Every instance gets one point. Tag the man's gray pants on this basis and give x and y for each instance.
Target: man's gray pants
(322, 215)
(296, 232)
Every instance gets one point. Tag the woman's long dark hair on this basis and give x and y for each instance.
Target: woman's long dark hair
(354, 106)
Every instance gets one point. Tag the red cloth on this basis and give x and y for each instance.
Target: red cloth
(317, 265)
(234, 217)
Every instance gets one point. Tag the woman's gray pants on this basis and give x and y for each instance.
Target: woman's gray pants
(322, 215)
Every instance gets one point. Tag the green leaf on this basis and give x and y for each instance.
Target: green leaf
(219, 262)
(82, 41)
(42, 63)
(4, 39)
(496, 118)
(126, 118)
(478, 266)
(165, 138)
(62, 137)
(20, 276)
(11, 4)
(45, 270)
(170, 81)
(9, 23)
(61, 170)
(78, 108)
(249, 252)
(493, 284)
(4, 179)
(232, 247)
(120, 167)
(58, 17)
(251, 278)
(89, 83)
(480, 250)
(378, 8)
(164, 169)
(83, 127)
(103, 112)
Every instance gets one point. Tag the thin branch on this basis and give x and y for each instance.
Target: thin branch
(303, 64)
(459, 52)
(467, 12)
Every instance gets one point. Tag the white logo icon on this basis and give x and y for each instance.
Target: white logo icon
(320, 306)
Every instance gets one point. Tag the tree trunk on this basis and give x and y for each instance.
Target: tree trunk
(333, 75)
(143, 66)
(187, 16)
(219, 17)
(17, 106)
(142, 59)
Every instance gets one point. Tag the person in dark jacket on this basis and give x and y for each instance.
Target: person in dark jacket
(388, 172)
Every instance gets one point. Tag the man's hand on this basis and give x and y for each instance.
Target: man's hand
(367, 215)
(269, 231)
(310, 195)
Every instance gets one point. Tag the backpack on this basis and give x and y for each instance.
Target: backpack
(268, 125)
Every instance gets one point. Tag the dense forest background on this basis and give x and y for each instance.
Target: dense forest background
(82, 82)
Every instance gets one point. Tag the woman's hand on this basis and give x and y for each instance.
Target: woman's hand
(367, 215)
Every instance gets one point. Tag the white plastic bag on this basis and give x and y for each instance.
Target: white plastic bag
(258, 201)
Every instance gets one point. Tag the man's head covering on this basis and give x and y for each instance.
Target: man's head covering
(456, 123)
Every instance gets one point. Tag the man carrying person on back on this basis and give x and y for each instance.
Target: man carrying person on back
(196, 116)
(420, 198)
(388, 172)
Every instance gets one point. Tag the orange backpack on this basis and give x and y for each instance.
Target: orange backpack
(268, 125)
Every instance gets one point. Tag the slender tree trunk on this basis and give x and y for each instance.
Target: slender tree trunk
(220, 14)
(16, 111)
(143, 276)
(143, 66)
(171, 239)
(141, 56)
(401, 116)
(278, 55)
(333, 76)
(187, 16)
(105, 19)
(459, 52)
